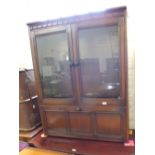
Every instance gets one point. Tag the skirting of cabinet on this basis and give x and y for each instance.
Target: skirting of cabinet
(81, 146)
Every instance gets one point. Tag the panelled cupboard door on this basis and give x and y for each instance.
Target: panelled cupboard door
(67, 122)
(108, 125)
(100, 123)
(56, 122)
(80, 123)
(53, 62)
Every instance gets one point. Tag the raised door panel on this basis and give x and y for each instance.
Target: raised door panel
(108, 125)
(56, 122)
(81, 123)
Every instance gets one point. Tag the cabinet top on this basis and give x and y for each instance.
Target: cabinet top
(25, 69)
(113, 12)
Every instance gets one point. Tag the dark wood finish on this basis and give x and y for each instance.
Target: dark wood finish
(81, 147)
(26, 84)
(29, 116)
(76, 127)
(102, 118)
(114, 12)
(56, 121)
(104, 127)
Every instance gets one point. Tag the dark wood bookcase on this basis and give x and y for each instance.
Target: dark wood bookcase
(80, 66)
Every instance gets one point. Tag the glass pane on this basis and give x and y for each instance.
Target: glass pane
(53, 55)
(99, 57)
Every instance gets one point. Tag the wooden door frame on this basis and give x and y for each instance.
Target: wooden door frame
(33, 34)
(105, 21)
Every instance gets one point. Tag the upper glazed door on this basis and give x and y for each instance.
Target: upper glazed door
(99, 49)
(54, 61)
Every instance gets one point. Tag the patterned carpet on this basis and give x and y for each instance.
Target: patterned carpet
(22, 145)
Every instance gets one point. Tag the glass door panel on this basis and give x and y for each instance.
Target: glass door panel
(54, 65)
(99, 60)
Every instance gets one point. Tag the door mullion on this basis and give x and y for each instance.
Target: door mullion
(76, 65)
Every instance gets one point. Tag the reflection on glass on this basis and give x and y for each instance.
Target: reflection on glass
(99, 57)
(53, 55)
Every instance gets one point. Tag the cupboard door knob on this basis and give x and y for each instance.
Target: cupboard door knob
(74, 64)
(78, 109)
(119, 97)
(73, 150)
(34, 106)
(104, 103)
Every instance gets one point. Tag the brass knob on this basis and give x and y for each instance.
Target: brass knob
(74, 150)
(78, 109)
(34, 106)
(104, 103)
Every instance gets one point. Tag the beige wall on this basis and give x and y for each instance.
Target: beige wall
(25, 55)
(131, 66)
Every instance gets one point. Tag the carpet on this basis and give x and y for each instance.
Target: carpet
(22, 145)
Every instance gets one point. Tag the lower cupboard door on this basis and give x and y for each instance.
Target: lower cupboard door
(81, 124)
(108, 125)
(55, 123)
(70, 124)
(92, 125)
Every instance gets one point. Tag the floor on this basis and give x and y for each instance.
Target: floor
(80, 147)
(36, 151)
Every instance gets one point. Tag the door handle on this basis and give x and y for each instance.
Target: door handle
(74, 65)
(104, 103)
(78, 109)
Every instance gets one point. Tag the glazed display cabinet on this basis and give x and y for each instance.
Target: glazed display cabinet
(80, 66)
